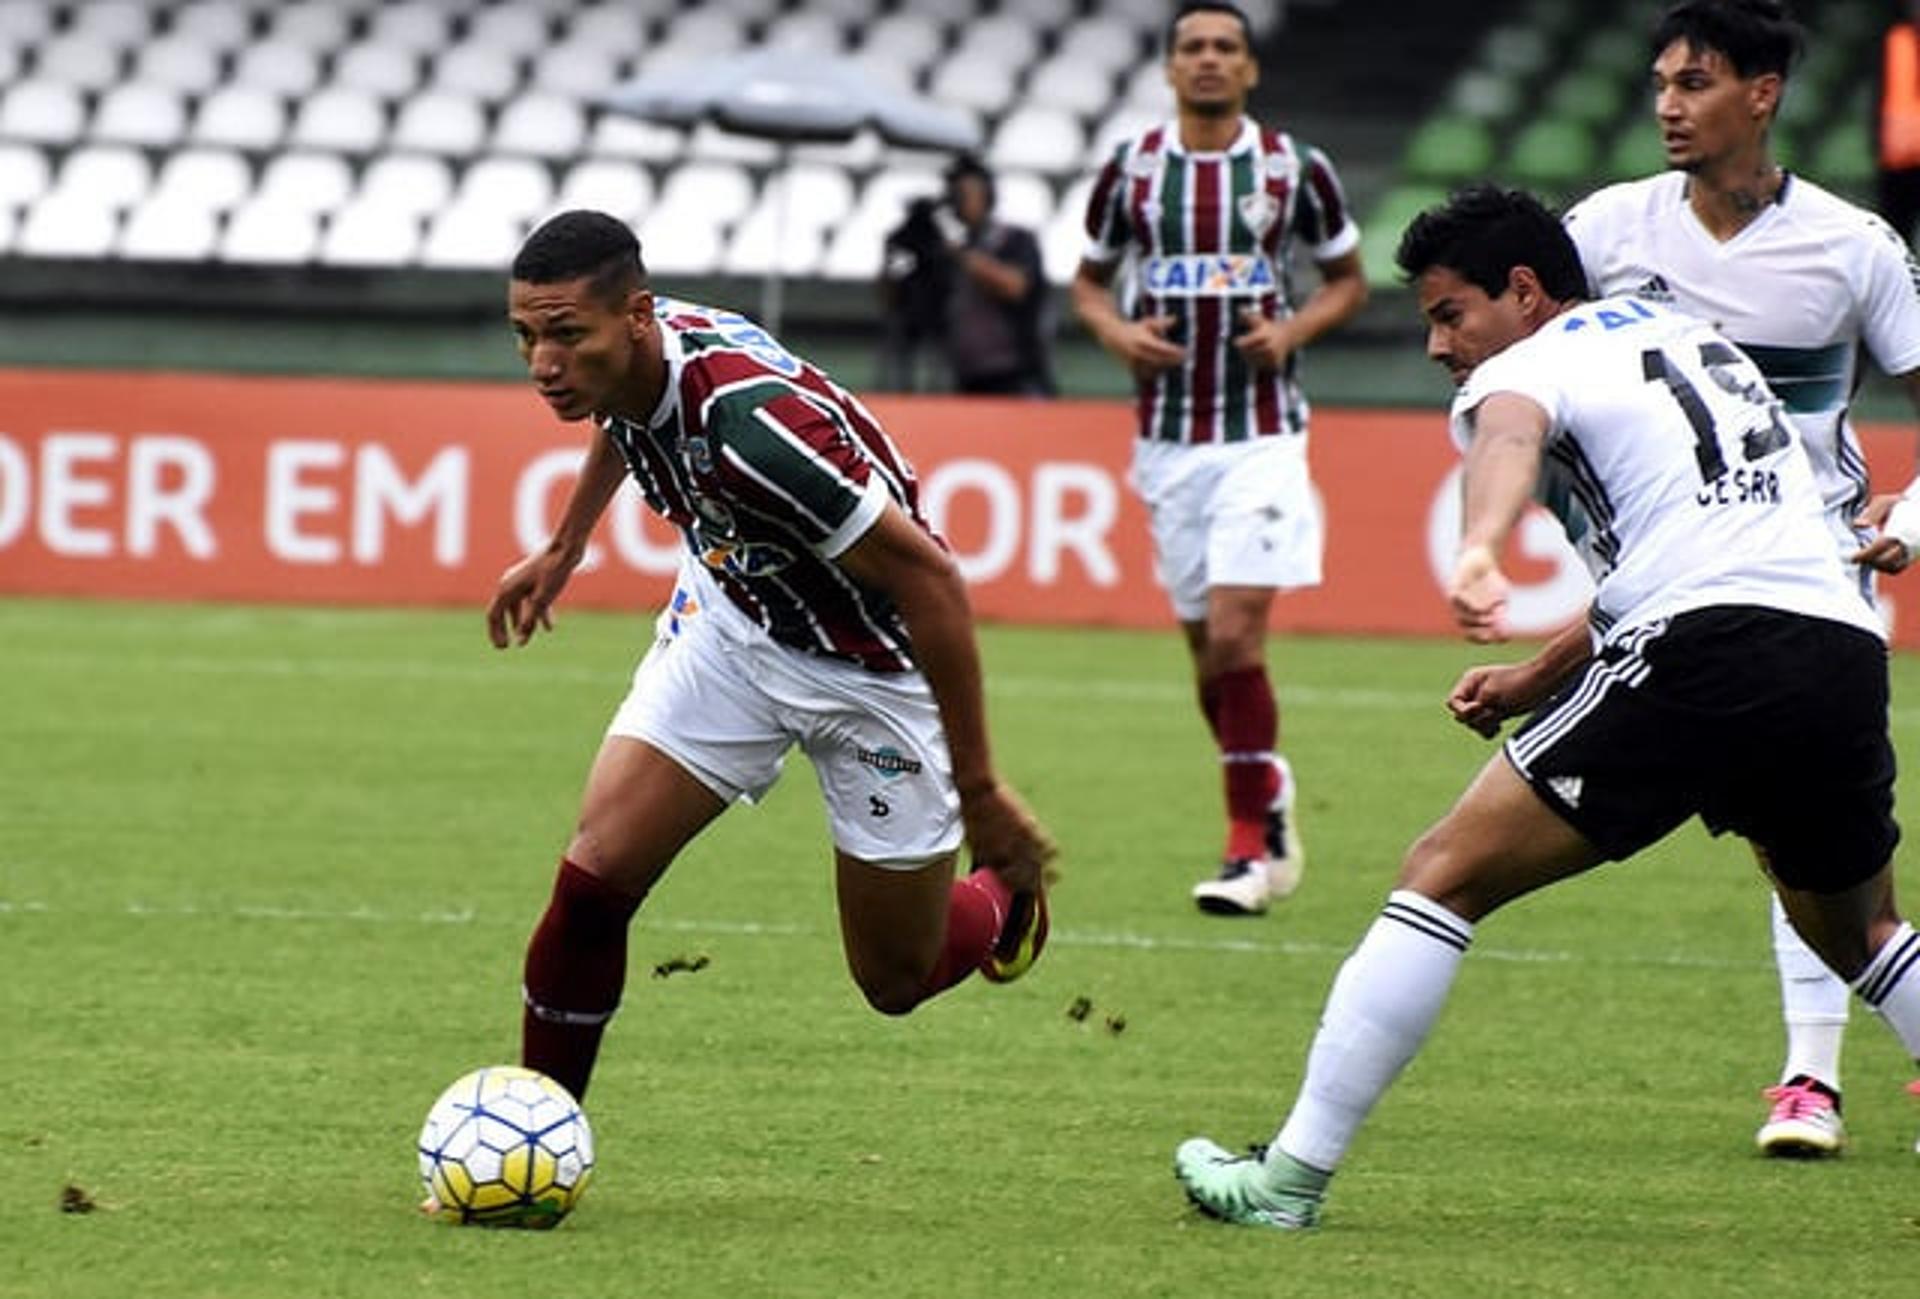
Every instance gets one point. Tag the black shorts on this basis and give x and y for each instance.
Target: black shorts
(1772, 725)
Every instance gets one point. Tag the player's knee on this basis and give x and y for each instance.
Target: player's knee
(1435, 868)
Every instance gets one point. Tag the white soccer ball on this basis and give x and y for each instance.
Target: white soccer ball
(506, 1147)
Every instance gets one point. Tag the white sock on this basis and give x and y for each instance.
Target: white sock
(1891, 986)
(1383, 1004)
(1813, 1002)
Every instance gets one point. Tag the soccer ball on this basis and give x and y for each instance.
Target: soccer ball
(506, 1147)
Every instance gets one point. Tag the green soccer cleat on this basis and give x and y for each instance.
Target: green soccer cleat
(1242, 1190)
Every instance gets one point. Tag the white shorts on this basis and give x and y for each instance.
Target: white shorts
(1229, 514)
(724, 701)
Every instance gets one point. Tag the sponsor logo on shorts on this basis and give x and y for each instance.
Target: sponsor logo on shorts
(888, 761)
(1208, 275)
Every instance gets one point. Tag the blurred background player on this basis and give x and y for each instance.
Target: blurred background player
(815, 608)
(1724, 636)
(1211, 207)
(996, 325)
(1802, 280)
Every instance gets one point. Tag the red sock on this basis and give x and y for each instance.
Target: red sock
(1248, 730)
(576, 968)
(976, 906)
(1210, 704)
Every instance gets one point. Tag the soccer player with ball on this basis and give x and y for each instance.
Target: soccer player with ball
(815, 608)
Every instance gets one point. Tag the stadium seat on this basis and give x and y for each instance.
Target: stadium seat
(700, 31)
(859, 155)
(805, 31)
(114, 177)
(512, 29)
(1146, 87)
(1587, 95)
(179, 62)
(279, 66)
(619, 188)
(25, 174)
(760, 244)
(463, 238)
(411, 25)
(740, 13)
(389, 71)
(486, 72)
(1843, 160)
(709, 143)
(543, 125)
(218, 24)
(163, 230)
(883, 69)
(140, 113)
(816, 197)
(63, 225)
(1515, 52)
(1007, 38)
(1635, 152)
(24, 22)
(612, 29)
(1552, 154)
(1045, 15)
(575, 70)
(342, 118)
(415, 183)
(982, 82)
(266, 234)
(1484, 96)
(1386, 222)
(46, 112)
(216, 179)
(1449, 150)
(359, 235)
(120, 23)
(617, 136)
(1038, 139)
(1615, 50)
(440, 121)
(1107, 43)
(12, 61)
(9, 229)
(317, 24)
(240, 117)
(1024, 199)
(516, 188)
(1067, 82)
(716, 193)
(81, 61)
(851, 13)
(1122, 124)
(912, 39)
(679, 247)
(305, 182)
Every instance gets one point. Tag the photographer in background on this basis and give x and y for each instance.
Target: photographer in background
(915, 274)
(996, 309)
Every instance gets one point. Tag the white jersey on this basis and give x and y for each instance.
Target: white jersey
(1800, 289)
(1672, 467)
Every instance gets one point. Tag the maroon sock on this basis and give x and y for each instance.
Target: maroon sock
(975, 908)
(576, 967)
(1249, 728)
(1210, 704)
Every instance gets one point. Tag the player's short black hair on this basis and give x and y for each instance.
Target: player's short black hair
(968, 164)
(581, 243)
(1483, 232)
(1754, 36)
(1209, 7)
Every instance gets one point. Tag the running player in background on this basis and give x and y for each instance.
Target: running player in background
(1212, 206)
(1802, 280)
(1725, 633)
(815, 608)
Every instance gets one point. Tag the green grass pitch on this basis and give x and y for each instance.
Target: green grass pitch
(266, 874)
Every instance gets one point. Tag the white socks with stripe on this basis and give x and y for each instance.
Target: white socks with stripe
(1383, 1004)
(1813, 1002)
(1891, 986)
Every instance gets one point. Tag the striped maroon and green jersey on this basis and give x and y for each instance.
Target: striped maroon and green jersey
(770, 470)
(1210, 235)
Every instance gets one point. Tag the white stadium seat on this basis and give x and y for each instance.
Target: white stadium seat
(264, 233)
(46, 112)
(80, 61)
(486, 72)
(619, 188)
(885, 69)
(807, 31)
(140, 113)
(1007, 37)
(718, 193)
(25, 21)
(575, 70)
(854, 252)
(359, 235)
(1147, 88)
(318, 24)
(816, 197)
(861, 154)
(513, 29)
(1038, 139)
(514, 187)
(163, 230)
(112, 176)
(440, 121)
(180, 62)
(701, 31)
(310, 183)
(119, 23)
(1023, 199)
(240, 117)
(65, 225)
(543, 125)
(709, 143)
(618, 136)
(280, 66)
(1084, 89)
(387, 70)
(1123, 124)
(421, 28)
(758, 243)
(741, 12)
(25, 174)
(978, 81)
(613, 29)
(679, 247)
(1108, 43)
(12, 60)
(342, 118)
(911, 38)
(850, 13)
(216, 23)
(465, 238)
(415, 183)
(9, 229)
(216, 179)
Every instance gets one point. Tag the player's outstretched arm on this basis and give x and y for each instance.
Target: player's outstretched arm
(896, 556)
(524, 598)
(1502, 465)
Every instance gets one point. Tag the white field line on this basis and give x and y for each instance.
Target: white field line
(1092, 939)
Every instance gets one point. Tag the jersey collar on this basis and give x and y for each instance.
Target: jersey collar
(676, 359)
(1248, 138)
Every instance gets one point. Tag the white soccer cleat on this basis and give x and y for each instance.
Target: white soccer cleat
(1804, 1123)
(1240, 1189)
(1242, 888)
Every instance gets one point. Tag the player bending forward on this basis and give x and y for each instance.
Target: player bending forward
(815, 608)
(1725, 631)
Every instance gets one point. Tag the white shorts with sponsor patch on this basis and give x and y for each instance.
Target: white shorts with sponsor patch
(1229, 514)
(726, 702)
